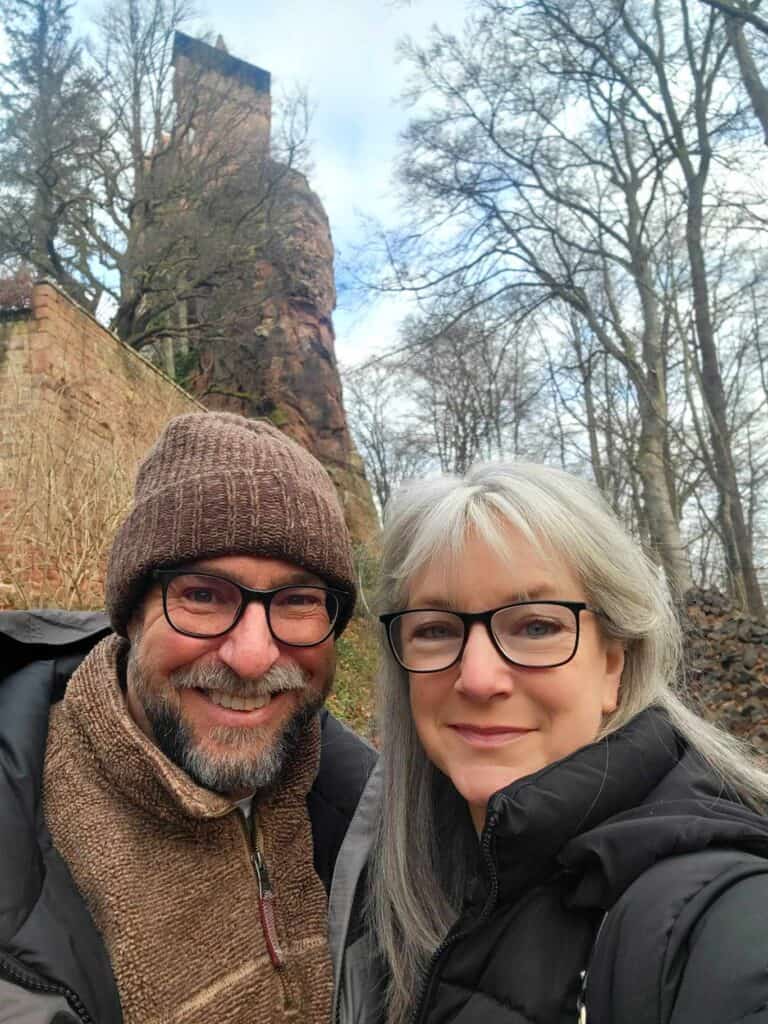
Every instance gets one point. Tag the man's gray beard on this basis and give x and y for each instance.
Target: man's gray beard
(242, 769)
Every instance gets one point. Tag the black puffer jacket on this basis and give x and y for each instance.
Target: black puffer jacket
(54, 968)
(636, 823)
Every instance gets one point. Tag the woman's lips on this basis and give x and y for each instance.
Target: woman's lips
(489, 736)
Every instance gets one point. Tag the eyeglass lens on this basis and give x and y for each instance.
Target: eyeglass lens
(536, 635)
(209, 605)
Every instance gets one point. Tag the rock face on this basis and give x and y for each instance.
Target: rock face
(727, 660)
(276, 357)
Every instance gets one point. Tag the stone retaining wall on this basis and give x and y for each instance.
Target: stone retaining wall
(78, 408)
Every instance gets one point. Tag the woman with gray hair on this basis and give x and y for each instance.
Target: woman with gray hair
(551, 835)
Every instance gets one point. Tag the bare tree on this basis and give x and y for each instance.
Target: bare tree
(689, 133)
(737, 15)
(473, 386)
(595, 415)
(380, 418)
(537, 207)
(457, 391)
(49, 133)
(555, 152)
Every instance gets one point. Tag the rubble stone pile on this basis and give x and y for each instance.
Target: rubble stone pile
(726, 656)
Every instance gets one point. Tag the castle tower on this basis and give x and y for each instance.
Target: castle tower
(210, 85)
(272, 356)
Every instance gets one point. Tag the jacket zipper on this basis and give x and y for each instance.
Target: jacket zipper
(453, 937)
(18, 976)
(581, 1002)
(266, 903)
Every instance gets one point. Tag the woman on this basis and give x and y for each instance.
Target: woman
(541, 781)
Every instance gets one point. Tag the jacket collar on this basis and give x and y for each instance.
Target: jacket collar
(533, 819)
(607, 812)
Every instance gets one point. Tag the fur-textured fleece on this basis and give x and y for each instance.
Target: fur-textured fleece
(165, 868)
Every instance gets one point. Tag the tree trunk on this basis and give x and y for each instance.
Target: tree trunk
(713, 393)
(750, 76)
(657, 506)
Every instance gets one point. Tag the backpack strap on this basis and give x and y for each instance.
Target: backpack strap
(642, 947)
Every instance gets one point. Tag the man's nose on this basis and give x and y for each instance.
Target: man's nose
(483, 673)
(249, 649)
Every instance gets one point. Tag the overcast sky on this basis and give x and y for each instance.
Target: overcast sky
(344, 52)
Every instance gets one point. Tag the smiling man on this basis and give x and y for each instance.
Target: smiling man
(207, 679)
(182, 782)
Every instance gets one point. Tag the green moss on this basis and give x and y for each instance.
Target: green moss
(367, 561)
(279, 417)
(185, 365)
(352, 699)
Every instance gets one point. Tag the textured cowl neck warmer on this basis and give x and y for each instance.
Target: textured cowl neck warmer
(166, 869)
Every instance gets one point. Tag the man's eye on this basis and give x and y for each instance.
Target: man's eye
(300, 599)
(200, 595)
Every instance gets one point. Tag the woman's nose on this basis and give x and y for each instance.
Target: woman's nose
(483, 673)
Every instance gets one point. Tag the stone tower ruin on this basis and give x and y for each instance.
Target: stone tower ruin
(273, 355)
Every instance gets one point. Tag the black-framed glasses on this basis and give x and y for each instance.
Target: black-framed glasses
(531, 634)
(203, 605)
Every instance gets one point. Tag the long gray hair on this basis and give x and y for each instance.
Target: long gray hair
(416, 890)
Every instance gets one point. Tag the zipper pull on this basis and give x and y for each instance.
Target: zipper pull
(581, 1002)
(267, 911)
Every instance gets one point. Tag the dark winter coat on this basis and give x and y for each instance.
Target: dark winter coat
(637, 823)
(54, 968)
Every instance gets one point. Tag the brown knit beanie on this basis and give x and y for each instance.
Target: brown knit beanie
(218, 484)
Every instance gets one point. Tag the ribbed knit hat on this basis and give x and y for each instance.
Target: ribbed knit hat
(218, 484)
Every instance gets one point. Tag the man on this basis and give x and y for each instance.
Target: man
(180, 779)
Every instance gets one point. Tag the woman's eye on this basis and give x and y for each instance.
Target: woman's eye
(434, 631)
(536, 628)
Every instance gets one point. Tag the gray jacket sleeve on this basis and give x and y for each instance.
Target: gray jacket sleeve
(358, 980)
(20, 1006)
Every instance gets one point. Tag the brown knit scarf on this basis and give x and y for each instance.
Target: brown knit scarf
(165, 868)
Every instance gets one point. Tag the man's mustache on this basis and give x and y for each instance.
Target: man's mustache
(222, 679)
